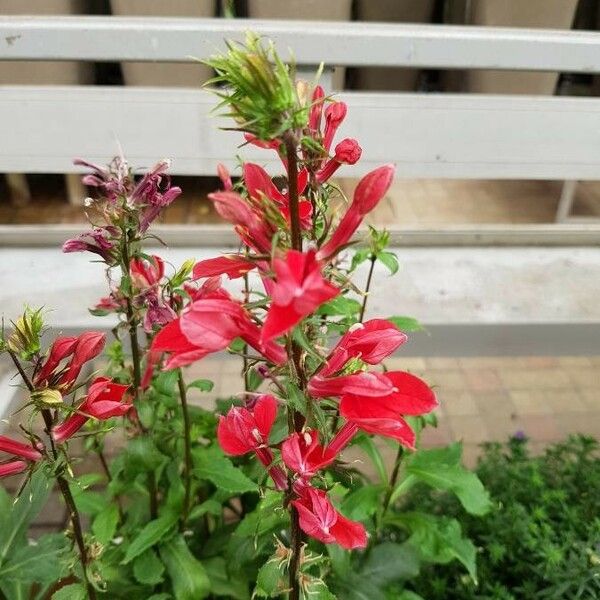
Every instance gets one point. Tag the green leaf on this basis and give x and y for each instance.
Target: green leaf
(389, 260)
(212, 464)
(269, 580)
(39, 562)
(104, 525)
(406, 323)
(75, 591)
(16, 520)
(389, 562)
(223, 584)
(204, 385)
(165, 383)
(150, 535)
(316, 589)
(362, 502)
(143, 455)
(439, 468)
(148, 569)
(189, 579)
(267, 516)
(340, 306)
(438, 539)
(88, 502)
(408, 595)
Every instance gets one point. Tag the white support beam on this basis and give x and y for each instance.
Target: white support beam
(438, 136)
(335, 43)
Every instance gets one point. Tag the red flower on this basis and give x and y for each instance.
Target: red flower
(210, 324)
(103, 401)
(232, 265)
(249, 225)
(316, 109)
(335, 113)
(146, 272)
(18, 449)
(320, 520)
(368, 384)
(303, 454)
(371, 342)
(225, 177)
(89, 345)
(243, 430)
(12, 468)
(369, 191)
(383, 415)
(299, 290)
(82, 349)
(347, 152)
(259, 184)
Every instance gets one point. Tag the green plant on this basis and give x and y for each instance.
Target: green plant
(541, 540)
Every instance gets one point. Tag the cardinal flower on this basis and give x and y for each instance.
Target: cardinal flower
(369, 191)
(335, 113)
(103, 401)
(299, 290)
(347, 152)
(371, 342)
(232, 265)
(368, 384)
(302, 453)
(99, 241)
(243, 430)
(18, 449)
(146, 272)
(320, 520)
(383, 415)
(80, 349)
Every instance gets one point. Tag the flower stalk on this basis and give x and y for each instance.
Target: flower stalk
(187, 448)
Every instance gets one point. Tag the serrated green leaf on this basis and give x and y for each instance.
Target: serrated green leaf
(269, 580)
(143, 455)
(104, 525)
(389, 562)
(440, 468)
(406, 324)
(151, 534)
(438, 539)
(188, 577)
(212, 464)
(389, 260)
(362, 502)
(221, 583)
(204, 385)
(340, 306)
(75, 591)
(148, 569)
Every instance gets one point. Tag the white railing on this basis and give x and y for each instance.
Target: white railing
(426, 135)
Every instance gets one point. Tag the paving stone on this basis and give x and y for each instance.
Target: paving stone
(530, 402)
(469, 429)
(542, 428)
(446, 379)
(496, 404)
(535, 379)
(584, 376)
(458, 403)
(483, 380)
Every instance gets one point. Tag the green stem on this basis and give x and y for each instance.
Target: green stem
(132, 323)
(367, 288)
(391, 484)
(63, 485)
(187, 448)
(295, 419)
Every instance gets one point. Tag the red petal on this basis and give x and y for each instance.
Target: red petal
(231, 265)
(349, 534)
(414, 396)
(265, 413)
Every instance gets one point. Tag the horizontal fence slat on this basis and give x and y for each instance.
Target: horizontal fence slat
(336, 43)
(435, 136)
(198, 235)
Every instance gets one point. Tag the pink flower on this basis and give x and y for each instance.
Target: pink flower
(12, 467)
(383, 415)
(316, 109)
(347, 152)
(243, 430)
(182, 352)
(98, 241)
(61, 348)
(369, 191)
(320, 520)
(89, 345)
(302, 453)
(371, 342)
(299, 290)
(103, 401)
(146, 272)
(232, 265)
(111, 181)
(19, 449)
(225, 177)
(158, 313)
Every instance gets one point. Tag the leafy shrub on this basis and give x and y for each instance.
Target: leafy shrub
(541, 540)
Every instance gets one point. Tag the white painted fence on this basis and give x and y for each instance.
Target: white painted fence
(426, 135)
